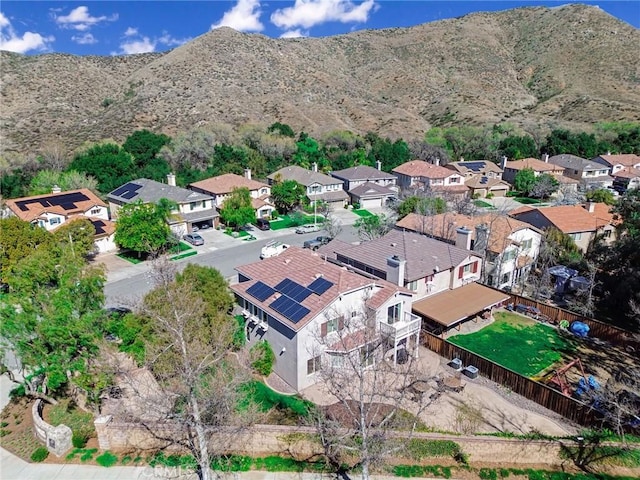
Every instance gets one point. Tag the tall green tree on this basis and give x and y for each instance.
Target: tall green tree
(19, 239)
(282, 129)
(389, 153)
(580, 144)
(108, 163)
(309, 152)
(373, 226)
(49, 318)
(422, 206)
(524, 180)
(44, 181)
(237, 210)
(517, 147)
(144, 146)
(287, 194)
(142, 227)
(601, 195)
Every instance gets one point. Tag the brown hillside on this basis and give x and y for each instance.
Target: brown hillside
(570, 66)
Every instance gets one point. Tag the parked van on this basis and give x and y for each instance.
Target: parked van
(272, 249)
(263, 224)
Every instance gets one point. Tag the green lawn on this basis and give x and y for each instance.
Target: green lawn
(361, 212)
(287, 221)
(529, 201)
(518, 343)
(238, 234)
(483, 204)
(265, 398)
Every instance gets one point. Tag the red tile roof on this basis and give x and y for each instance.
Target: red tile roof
(534, 164)
(573, 218)
(303, 266)
(223, 184)
(626, 159)
(31, 208)
(419, 168)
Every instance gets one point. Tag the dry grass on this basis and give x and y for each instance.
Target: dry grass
(530, 66)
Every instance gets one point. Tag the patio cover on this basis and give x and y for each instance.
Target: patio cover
(453, 306)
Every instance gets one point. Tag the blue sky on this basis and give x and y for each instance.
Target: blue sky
(128, 27)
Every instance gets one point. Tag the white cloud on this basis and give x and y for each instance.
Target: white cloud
(170, 41)
(297, 33)
(80, 19)
(143, 45)
(84, 39)
(130, 32)
(13, 42)
(244, 17)
(308, 13)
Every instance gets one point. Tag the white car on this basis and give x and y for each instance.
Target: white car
(308, 228)
(272, 249)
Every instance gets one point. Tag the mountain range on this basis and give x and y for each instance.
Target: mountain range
(567, 67)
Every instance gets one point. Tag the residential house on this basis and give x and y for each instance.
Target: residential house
(192, 208)
(367, 186)
(52, 210)
(421, 264)
(482, 178)
(589, 173)
(581, 222)
(625, 170)
(312, 311)
(221, 187)
(417, 174)
(319, 187)
(509, 246)
(512, 168)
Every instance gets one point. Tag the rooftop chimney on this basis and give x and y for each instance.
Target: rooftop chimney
(437, 161)
(463, 238)
(608, 152)
(591, 207)
(545, 158)
(247, 173)
(56, 189)
(378, 164)
(395, 270)
(482, 238)
(503, 162)
(171, 179)
(314, 167)
(461, 158)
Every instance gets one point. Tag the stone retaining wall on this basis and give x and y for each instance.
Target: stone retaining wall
(57, 439)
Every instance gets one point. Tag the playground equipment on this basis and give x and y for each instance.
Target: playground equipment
(560, 380)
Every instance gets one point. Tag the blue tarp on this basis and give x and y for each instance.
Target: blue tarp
(579, 329)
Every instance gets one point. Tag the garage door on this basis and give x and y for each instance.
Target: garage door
(498, 193)
(371, 203)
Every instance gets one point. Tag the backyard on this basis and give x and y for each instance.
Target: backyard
(519, 344)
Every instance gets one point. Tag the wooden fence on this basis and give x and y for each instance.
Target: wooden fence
(597, 329)
(543, 395)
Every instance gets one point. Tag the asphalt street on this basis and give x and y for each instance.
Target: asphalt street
(127, 283)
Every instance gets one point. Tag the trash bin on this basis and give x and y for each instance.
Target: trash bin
(456, 363)
(471, 371)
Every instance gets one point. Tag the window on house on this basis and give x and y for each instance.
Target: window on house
(333, 325)
(526, 244)
(94, 211)
(313, 365)
(393, 313)
(576, 236)
(506, 278)
(509, 255)
(454, 180)
(54, 221)
(193, 205)
(607, 234)
(336, 360)
(413, 286)
(367, 355)
(263, 191)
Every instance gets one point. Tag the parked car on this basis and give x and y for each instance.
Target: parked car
(273, 249)
(263, 224)
(194, 239)
(316, 243)
(308, 228)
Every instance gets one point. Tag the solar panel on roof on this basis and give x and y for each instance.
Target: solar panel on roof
(320, 285)
(68, 206)
(293, 289)
(119, 191)
(289, 308)
(475, 166)
(483, 180)
(99, 226)
(128, 195)
(260, 291)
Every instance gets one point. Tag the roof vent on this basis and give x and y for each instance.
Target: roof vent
(318, 275)
(394, 244)
(287, 261)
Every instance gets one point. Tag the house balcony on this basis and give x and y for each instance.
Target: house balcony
(409, 325)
